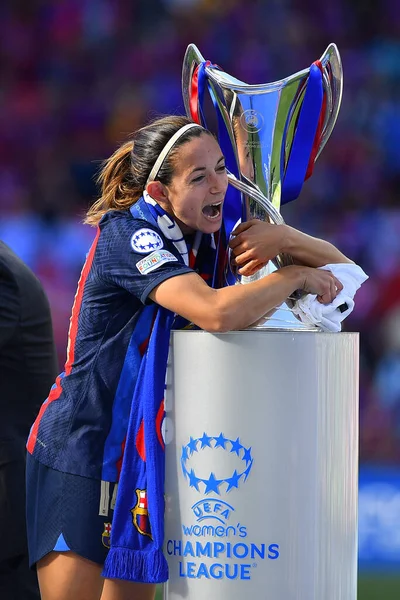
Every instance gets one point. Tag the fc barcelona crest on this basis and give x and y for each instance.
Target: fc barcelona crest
(140, 513)
(106, 535)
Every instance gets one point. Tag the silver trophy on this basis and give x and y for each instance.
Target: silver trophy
(274, 131)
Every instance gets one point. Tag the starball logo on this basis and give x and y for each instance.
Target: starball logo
(213, 483)
(252, 121)
(212, 509)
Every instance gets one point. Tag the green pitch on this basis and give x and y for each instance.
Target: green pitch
(379, 587)
(370, 587)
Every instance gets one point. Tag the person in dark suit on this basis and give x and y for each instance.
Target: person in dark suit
(28, 368)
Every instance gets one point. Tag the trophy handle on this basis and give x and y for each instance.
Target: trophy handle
(250, 189)
(191, 60)
(333, 86)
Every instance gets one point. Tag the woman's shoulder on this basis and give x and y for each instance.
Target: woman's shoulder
(119, 228)
(119, 221)
(112, 217)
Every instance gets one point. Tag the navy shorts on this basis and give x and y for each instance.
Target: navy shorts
(67, 512)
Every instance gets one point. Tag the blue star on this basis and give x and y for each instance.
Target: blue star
(193, 480)
(205, 441)
(142, 247)
(247, 455)
(143, 234)
(247, 471)
(150, 245)
(212, 484)
(220, 441)
(233, 481)
(192, 445)
(236, 446)
(184, 453)
(185, 472)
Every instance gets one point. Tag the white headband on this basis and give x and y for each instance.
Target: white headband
(166, 150)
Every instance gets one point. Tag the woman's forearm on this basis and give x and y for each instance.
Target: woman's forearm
(237, 307)
(311, 251)
(229, 308)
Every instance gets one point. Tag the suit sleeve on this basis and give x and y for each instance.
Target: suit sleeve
(9, 307)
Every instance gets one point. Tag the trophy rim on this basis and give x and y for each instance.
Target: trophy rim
(332, 77)
(193, 57)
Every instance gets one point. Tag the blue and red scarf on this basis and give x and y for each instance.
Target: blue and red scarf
(137, 536)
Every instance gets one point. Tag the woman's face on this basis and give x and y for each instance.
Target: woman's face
(196, 193)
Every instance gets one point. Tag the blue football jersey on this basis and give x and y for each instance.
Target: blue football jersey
(81, 427)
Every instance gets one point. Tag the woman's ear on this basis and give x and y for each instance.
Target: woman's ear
(157, 191)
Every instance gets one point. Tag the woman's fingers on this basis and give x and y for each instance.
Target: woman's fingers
(339, 284)
(234, 242)
(239, 244)
(334, 288)
(244, 258)
(250, 268)
(244, 226)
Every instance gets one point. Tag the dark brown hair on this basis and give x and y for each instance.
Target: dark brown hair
(123, 176)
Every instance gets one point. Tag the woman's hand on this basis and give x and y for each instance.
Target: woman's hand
(320, 282)
(256, 242)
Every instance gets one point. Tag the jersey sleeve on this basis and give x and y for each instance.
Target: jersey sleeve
(136, 256)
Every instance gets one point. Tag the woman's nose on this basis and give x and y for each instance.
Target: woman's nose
(217, 182)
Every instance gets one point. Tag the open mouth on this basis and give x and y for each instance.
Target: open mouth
(212, 211)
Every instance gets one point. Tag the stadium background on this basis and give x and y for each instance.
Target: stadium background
(78, 75)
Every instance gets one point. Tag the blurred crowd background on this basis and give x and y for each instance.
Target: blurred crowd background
(79, 75)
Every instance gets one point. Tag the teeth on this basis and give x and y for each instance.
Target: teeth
(209, 213)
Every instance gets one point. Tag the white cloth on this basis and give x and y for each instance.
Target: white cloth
(328, 316)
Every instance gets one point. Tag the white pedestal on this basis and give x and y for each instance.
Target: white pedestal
(261, 466)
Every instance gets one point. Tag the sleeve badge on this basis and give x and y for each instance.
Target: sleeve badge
(146, 240)
(154, 260)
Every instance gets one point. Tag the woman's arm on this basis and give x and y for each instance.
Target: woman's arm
(238, 306)
(256, 242)
(311, 251)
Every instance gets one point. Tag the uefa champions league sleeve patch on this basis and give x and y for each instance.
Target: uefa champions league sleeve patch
(154, 260)
(145, 241)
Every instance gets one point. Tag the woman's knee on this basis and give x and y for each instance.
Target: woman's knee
(116, 589)
(68, 576)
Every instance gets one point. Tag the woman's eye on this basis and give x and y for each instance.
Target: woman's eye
(221, 169)
(197, 179)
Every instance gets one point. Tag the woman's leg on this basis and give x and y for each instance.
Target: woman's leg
(115, 589)
(68, 576)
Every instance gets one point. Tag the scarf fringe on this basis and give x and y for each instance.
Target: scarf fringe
(136, 565)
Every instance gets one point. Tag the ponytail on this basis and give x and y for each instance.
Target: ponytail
(116, 183)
